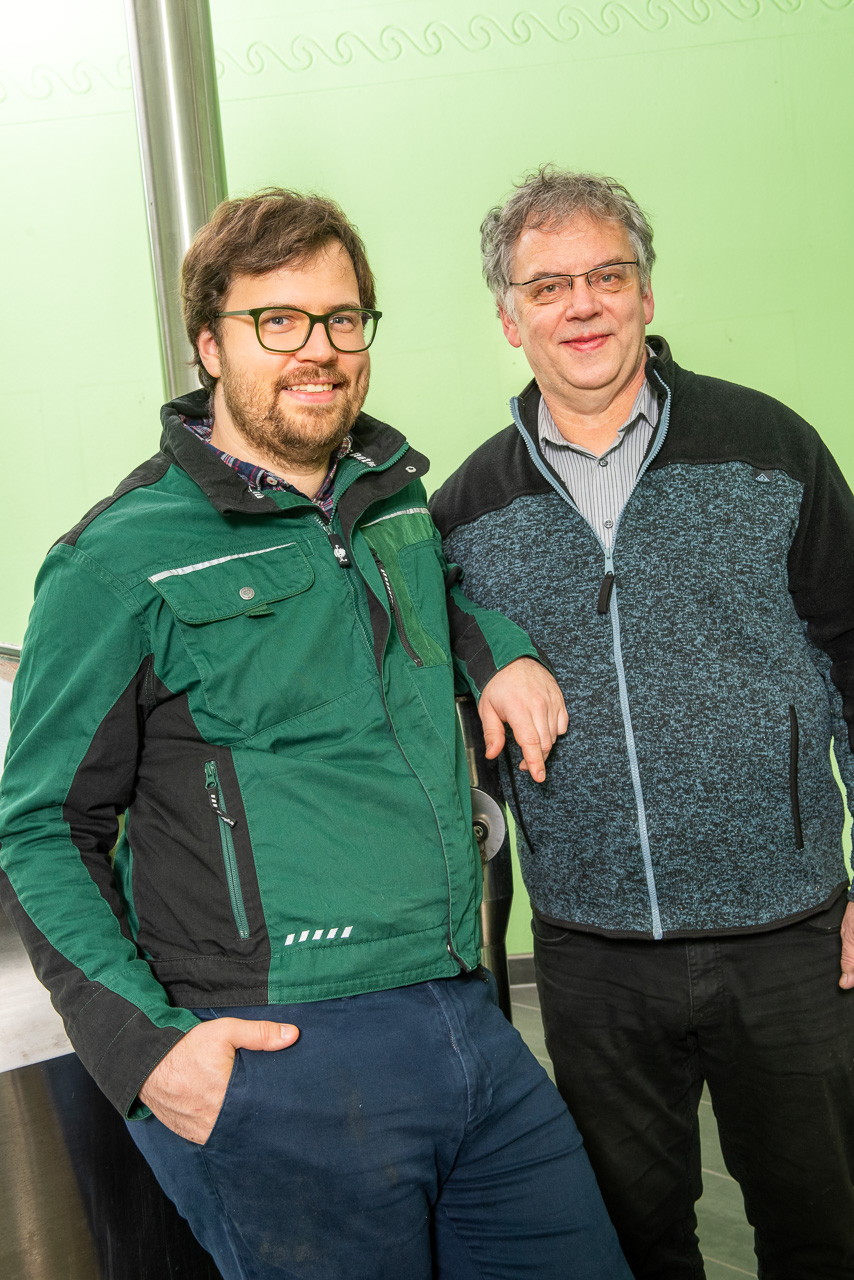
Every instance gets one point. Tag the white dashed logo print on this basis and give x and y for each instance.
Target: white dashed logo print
(316, 935)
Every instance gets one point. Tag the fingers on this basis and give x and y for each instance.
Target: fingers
(493, 728)
(537, 723)
(526, 697)
(534, 748)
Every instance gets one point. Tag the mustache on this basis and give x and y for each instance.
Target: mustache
(316, 374)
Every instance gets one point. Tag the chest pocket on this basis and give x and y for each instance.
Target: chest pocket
(406, 543)
(257, 629)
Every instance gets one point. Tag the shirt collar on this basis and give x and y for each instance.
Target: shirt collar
(645, 409)
(259, 478)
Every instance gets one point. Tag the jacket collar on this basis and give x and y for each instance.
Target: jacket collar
(374, 444)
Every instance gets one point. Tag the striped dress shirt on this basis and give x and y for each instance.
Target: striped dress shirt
(600, 486)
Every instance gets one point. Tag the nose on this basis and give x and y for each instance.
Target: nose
(583, 301)
(318, 349)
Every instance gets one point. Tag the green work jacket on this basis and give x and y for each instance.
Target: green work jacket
(268, 698)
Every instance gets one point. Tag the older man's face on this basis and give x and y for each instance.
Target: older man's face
(585, 349)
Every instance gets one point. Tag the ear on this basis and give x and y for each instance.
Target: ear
(209, 352)
(648, 304)
(510, 327)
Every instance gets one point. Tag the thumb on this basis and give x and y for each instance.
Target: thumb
(244, 1033)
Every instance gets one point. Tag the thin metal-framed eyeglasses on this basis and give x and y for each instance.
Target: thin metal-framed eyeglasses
(287, 329)
(610, 278)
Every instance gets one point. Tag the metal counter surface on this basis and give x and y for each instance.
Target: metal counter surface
(30, 1028)
(77, 1201)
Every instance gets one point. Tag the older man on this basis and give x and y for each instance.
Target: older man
(683, 551)
(245, 648)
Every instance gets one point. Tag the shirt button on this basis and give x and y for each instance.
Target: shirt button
(609, 524)
(247, 593)
(603, 462)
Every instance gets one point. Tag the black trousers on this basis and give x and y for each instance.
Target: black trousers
(634, 1028)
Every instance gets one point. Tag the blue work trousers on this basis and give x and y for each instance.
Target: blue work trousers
(408, 1134)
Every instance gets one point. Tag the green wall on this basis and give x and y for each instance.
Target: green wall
(730, 120)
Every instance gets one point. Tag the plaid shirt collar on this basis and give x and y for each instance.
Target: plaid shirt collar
(259, 478)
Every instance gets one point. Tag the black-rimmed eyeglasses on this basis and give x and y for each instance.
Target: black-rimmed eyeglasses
(285, 329)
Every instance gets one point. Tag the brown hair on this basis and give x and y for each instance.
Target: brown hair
(255, 235)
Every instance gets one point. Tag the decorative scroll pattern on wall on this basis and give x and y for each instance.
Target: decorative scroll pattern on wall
(285, 63)
(484, 31)
(83, 77)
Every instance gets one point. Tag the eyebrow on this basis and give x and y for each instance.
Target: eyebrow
(292, 306)
(549, 275)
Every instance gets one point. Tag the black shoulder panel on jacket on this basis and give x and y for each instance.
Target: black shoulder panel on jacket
(149, 472)
(715, 421)
(495, 475)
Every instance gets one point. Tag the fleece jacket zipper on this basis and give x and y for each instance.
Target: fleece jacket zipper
(607, 603)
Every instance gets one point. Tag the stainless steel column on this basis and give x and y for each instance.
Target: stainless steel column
(490, 830)
(180, 140)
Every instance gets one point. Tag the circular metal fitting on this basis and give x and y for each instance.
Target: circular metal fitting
(487, 823)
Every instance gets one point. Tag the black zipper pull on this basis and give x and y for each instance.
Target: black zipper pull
(339, 551)
(603, 604)
(336, 542)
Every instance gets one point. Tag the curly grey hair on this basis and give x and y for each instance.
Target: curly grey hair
(550, 197)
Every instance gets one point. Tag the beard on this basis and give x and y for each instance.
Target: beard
(293, 433)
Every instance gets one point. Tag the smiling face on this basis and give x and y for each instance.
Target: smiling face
(587, 349)
(294, 407)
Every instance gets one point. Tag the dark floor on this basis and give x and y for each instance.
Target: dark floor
(725, 1237)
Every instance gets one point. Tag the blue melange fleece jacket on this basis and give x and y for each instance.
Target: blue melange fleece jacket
(707, 662)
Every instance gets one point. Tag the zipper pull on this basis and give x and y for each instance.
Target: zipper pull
(212, 788)
(339, 551)
(232, 822)
(336, 542)
(603, 604)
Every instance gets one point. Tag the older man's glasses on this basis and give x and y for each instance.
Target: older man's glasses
(286, 329)
(608, 279)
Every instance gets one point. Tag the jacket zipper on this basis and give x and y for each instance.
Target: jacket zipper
(396, 614)
(607, 603)
(452, 951)
(229, 856)
(336, 542)
(794, 796)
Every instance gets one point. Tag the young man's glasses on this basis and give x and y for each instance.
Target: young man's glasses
(289, 328)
